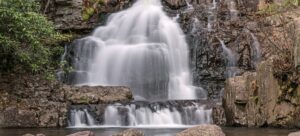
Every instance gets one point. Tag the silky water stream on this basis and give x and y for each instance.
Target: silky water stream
(144, 49)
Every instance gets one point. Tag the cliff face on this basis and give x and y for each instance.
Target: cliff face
(207, 60)
(251, 98)
(67, 14)
(31, 101)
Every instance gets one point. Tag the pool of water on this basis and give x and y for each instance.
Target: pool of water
(148, 132)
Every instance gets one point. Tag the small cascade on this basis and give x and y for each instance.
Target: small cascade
(212, 17)
(195, 26)
(231, 67)
(176, 18)
(60, 74)
(190, 7)
(233, 9)
(140, 47)
(145, 115)
(81, 118)
(255, 50)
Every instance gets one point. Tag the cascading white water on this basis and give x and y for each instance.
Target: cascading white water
(81, 118)
(149, 115)
(142, 48)
(231, 68)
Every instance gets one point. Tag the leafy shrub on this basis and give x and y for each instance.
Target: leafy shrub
(28, 41)
(90, 8)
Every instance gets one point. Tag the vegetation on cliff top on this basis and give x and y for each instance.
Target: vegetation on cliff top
(28, 41)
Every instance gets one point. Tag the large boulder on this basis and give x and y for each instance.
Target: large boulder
(202, 130)
(130, 132)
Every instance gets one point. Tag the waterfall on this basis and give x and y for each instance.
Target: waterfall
(231, 68)
(148, 115)
(144, 49)
(255, 49)
(140, 47)
(81, 118)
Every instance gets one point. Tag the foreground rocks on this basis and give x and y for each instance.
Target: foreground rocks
(202, 130)
(83, 133)
(130, 132)
(31, 101)
(258, 99)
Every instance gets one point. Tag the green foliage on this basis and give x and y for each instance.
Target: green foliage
(28, 41)
(90, 8)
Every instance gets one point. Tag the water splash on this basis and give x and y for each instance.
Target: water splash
(190, 7)
(231, 67)
(81, 118)
(140, 47)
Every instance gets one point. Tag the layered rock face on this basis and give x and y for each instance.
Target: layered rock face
(257, 99)
(31, 101)
(67, 14)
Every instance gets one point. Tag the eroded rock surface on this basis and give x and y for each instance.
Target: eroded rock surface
(31, 101)
(257, 99)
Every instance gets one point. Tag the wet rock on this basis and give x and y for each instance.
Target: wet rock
(202, 130)
(83, 133)
(130, 132)
(255, 99)
(294, 134)
(31, 101)
(96, 95)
